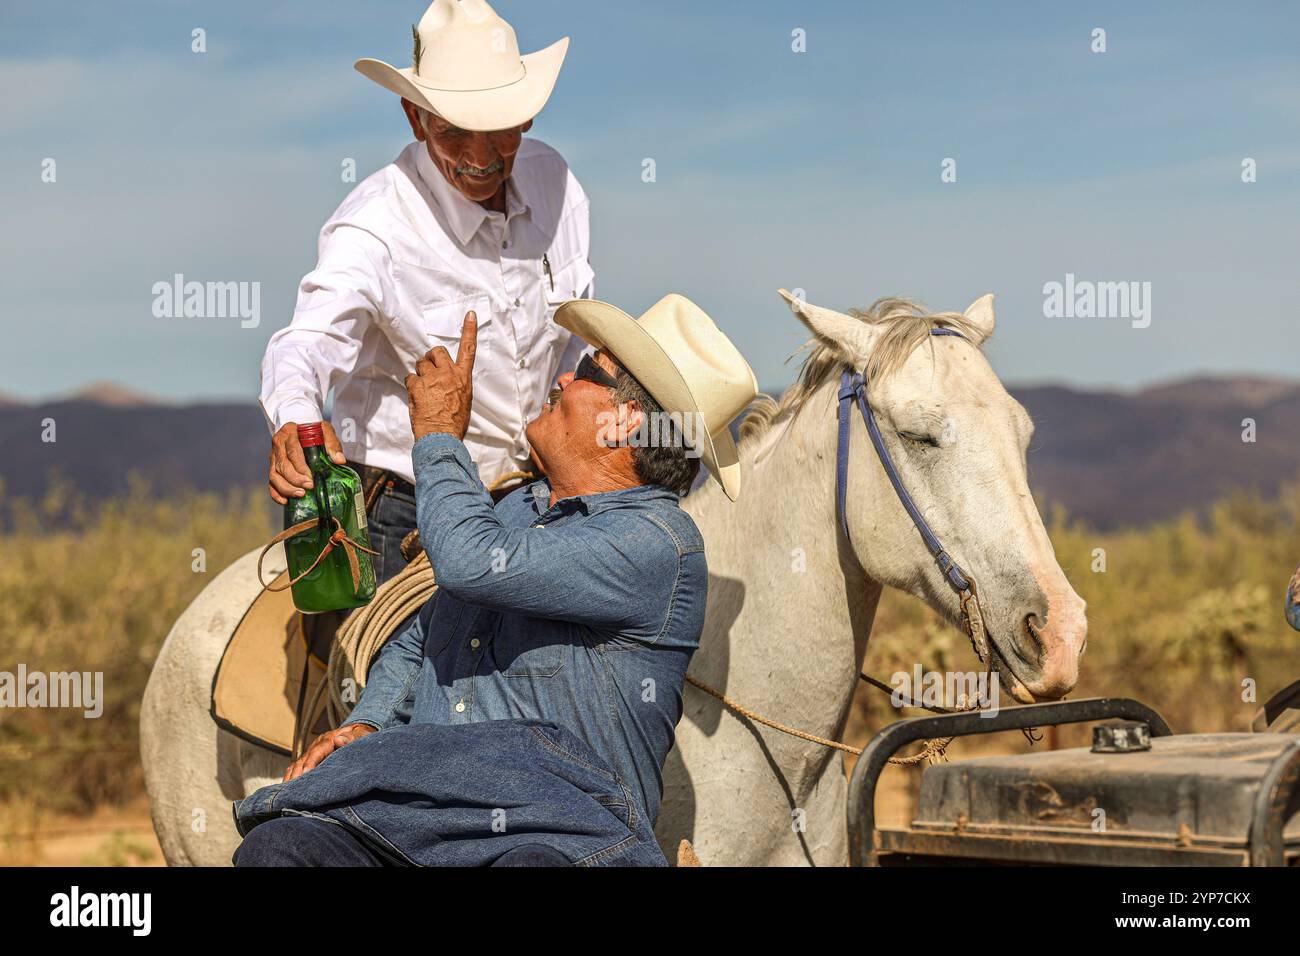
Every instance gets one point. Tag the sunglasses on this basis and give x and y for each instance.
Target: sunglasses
(589, 371)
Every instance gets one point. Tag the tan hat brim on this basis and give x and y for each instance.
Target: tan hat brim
(606, 326)
(481, 110)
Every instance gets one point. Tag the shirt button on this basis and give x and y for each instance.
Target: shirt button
(460, 707)
(523, 363)
(474, 643)
(516, 303)
(504, 244)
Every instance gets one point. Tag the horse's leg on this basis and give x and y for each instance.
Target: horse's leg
(193, 770)
(824, 839)
(724, 794)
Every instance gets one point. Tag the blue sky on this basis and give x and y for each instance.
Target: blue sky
(817, 170)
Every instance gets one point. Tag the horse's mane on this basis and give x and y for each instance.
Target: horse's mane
(903, 326)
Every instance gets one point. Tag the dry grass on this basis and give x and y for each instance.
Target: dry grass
(100, 594)
(1182, 614)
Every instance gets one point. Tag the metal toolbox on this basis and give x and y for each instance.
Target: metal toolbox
(1186, 800)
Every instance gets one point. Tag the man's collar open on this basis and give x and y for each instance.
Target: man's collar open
(463, 215)
(599, 501)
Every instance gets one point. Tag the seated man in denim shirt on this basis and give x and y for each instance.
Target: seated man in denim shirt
(525, 715)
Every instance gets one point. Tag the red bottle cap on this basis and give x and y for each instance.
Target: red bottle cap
(312, 434)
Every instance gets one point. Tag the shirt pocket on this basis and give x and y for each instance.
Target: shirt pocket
(431, 307)
(443, 321)
(442, 618)
(518, 654)
(493, 357)
(570, 281)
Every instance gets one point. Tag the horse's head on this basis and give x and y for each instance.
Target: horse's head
(958, 442)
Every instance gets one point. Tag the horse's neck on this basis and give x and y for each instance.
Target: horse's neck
(783, 598)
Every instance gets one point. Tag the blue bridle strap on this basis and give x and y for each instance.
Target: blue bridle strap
(853, 386)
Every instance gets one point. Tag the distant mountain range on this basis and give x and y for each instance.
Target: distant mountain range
(1118, 459)
(1110, 458)
(104, 433)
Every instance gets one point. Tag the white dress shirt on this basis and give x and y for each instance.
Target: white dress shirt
(400, 263)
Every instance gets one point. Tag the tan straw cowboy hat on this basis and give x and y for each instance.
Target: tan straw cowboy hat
(468, 70)
(684, 361)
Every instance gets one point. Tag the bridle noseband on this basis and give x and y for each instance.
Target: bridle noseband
(853, 386)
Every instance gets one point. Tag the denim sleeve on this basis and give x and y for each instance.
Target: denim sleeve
(584, 573)
(386, 700)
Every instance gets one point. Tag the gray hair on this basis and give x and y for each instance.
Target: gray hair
(666, 461)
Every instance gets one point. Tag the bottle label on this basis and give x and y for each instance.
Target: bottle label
(360, 503)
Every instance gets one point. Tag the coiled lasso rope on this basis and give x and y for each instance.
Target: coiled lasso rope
(367, 629)
(362, 635)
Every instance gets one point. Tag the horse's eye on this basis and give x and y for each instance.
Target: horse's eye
(928, 440)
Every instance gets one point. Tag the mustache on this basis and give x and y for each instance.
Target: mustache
(481, 170)
(554, 397)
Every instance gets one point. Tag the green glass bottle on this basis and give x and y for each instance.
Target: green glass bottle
(337, 496)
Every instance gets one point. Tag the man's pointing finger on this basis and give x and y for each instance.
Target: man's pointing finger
(468, 341)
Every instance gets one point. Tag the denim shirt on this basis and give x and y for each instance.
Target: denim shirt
(585, 614)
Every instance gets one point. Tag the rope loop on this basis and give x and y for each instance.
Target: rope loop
(339, 539)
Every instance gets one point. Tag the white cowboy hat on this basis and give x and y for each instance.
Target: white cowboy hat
(468, 69)
(686, 364)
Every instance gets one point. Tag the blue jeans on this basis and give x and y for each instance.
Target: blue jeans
(304, 841)
(312, 841)
(462, 795)
(391, 518)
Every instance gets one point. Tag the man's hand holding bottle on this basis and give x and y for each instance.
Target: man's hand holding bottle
(289, 476)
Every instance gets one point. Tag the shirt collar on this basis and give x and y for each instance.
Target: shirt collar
(465, 216)
(591, 504)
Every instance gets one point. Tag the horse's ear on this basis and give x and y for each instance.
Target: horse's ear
(851, 337)
(980, 314)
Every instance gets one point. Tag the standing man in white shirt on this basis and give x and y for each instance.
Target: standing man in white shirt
(471, 217)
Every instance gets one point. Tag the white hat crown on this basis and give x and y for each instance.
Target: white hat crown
(720, 380)
(462, 45)
(466, 67)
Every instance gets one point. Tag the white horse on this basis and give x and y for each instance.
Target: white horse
(791, 600)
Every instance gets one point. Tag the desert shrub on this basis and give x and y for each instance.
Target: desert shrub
(1184, 613)
(97, 589)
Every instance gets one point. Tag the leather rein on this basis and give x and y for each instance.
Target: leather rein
(853, 389)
